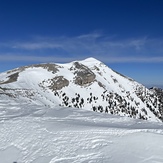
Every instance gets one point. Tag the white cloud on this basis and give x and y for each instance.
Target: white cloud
(107, 49)
(35, 45)
(27, 58)
(133, 60)
(88, 42)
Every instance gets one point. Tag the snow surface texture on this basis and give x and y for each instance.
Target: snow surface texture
(35, 134)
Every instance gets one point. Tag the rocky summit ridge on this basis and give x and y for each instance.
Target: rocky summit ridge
(87, 84)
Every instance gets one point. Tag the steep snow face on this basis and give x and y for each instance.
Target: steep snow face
(85, 84)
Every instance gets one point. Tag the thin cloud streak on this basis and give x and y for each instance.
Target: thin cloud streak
(133, 60)
(36, 45)
(87, 42)
(27, 58)
(90, 44)
(79, 47)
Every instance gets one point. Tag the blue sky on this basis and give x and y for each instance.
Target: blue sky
(126, 35)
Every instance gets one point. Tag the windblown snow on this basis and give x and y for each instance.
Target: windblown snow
(78, 112)
(33, 134)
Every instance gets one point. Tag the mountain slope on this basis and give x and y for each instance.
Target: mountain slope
(85, 84)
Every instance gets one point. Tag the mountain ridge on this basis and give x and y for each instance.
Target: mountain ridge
(88, 84)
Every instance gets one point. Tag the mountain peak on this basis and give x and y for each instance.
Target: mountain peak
(85, 84)
(91, 59)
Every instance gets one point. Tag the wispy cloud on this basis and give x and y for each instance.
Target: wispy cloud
(90, 43)
(65, 49)
(27, 58)
(133, 60)
(35, 45)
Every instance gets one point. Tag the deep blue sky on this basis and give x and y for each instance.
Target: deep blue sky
(126, 35)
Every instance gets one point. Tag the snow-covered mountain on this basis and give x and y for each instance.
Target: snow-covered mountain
(87, 84)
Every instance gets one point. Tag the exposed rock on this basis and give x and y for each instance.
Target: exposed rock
(101, 85)
(48, 66)
(58, 83)
(83, 74)
(12, 78)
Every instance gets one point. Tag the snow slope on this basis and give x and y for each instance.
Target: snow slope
(85, 84)
(36, 134)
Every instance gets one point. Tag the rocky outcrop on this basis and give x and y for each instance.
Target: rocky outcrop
(58, 83)
(48, 66)
(11, 78)
(83, 74)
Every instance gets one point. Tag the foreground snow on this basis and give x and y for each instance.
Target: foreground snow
(33, 134)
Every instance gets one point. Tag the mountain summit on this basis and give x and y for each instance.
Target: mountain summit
(87, 84)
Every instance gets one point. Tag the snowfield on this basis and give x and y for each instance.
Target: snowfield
(78, 113)
(35, 134)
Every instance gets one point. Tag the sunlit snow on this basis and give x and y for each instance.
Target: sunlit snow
(37, 126)
(34, 134)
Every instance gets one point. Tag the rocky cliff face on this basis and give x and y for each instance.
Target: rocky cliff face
(56, 83)
(87, 84)
(83, 75)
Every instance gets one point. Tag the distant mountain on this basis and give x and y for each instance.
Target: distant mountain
(87, 84)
